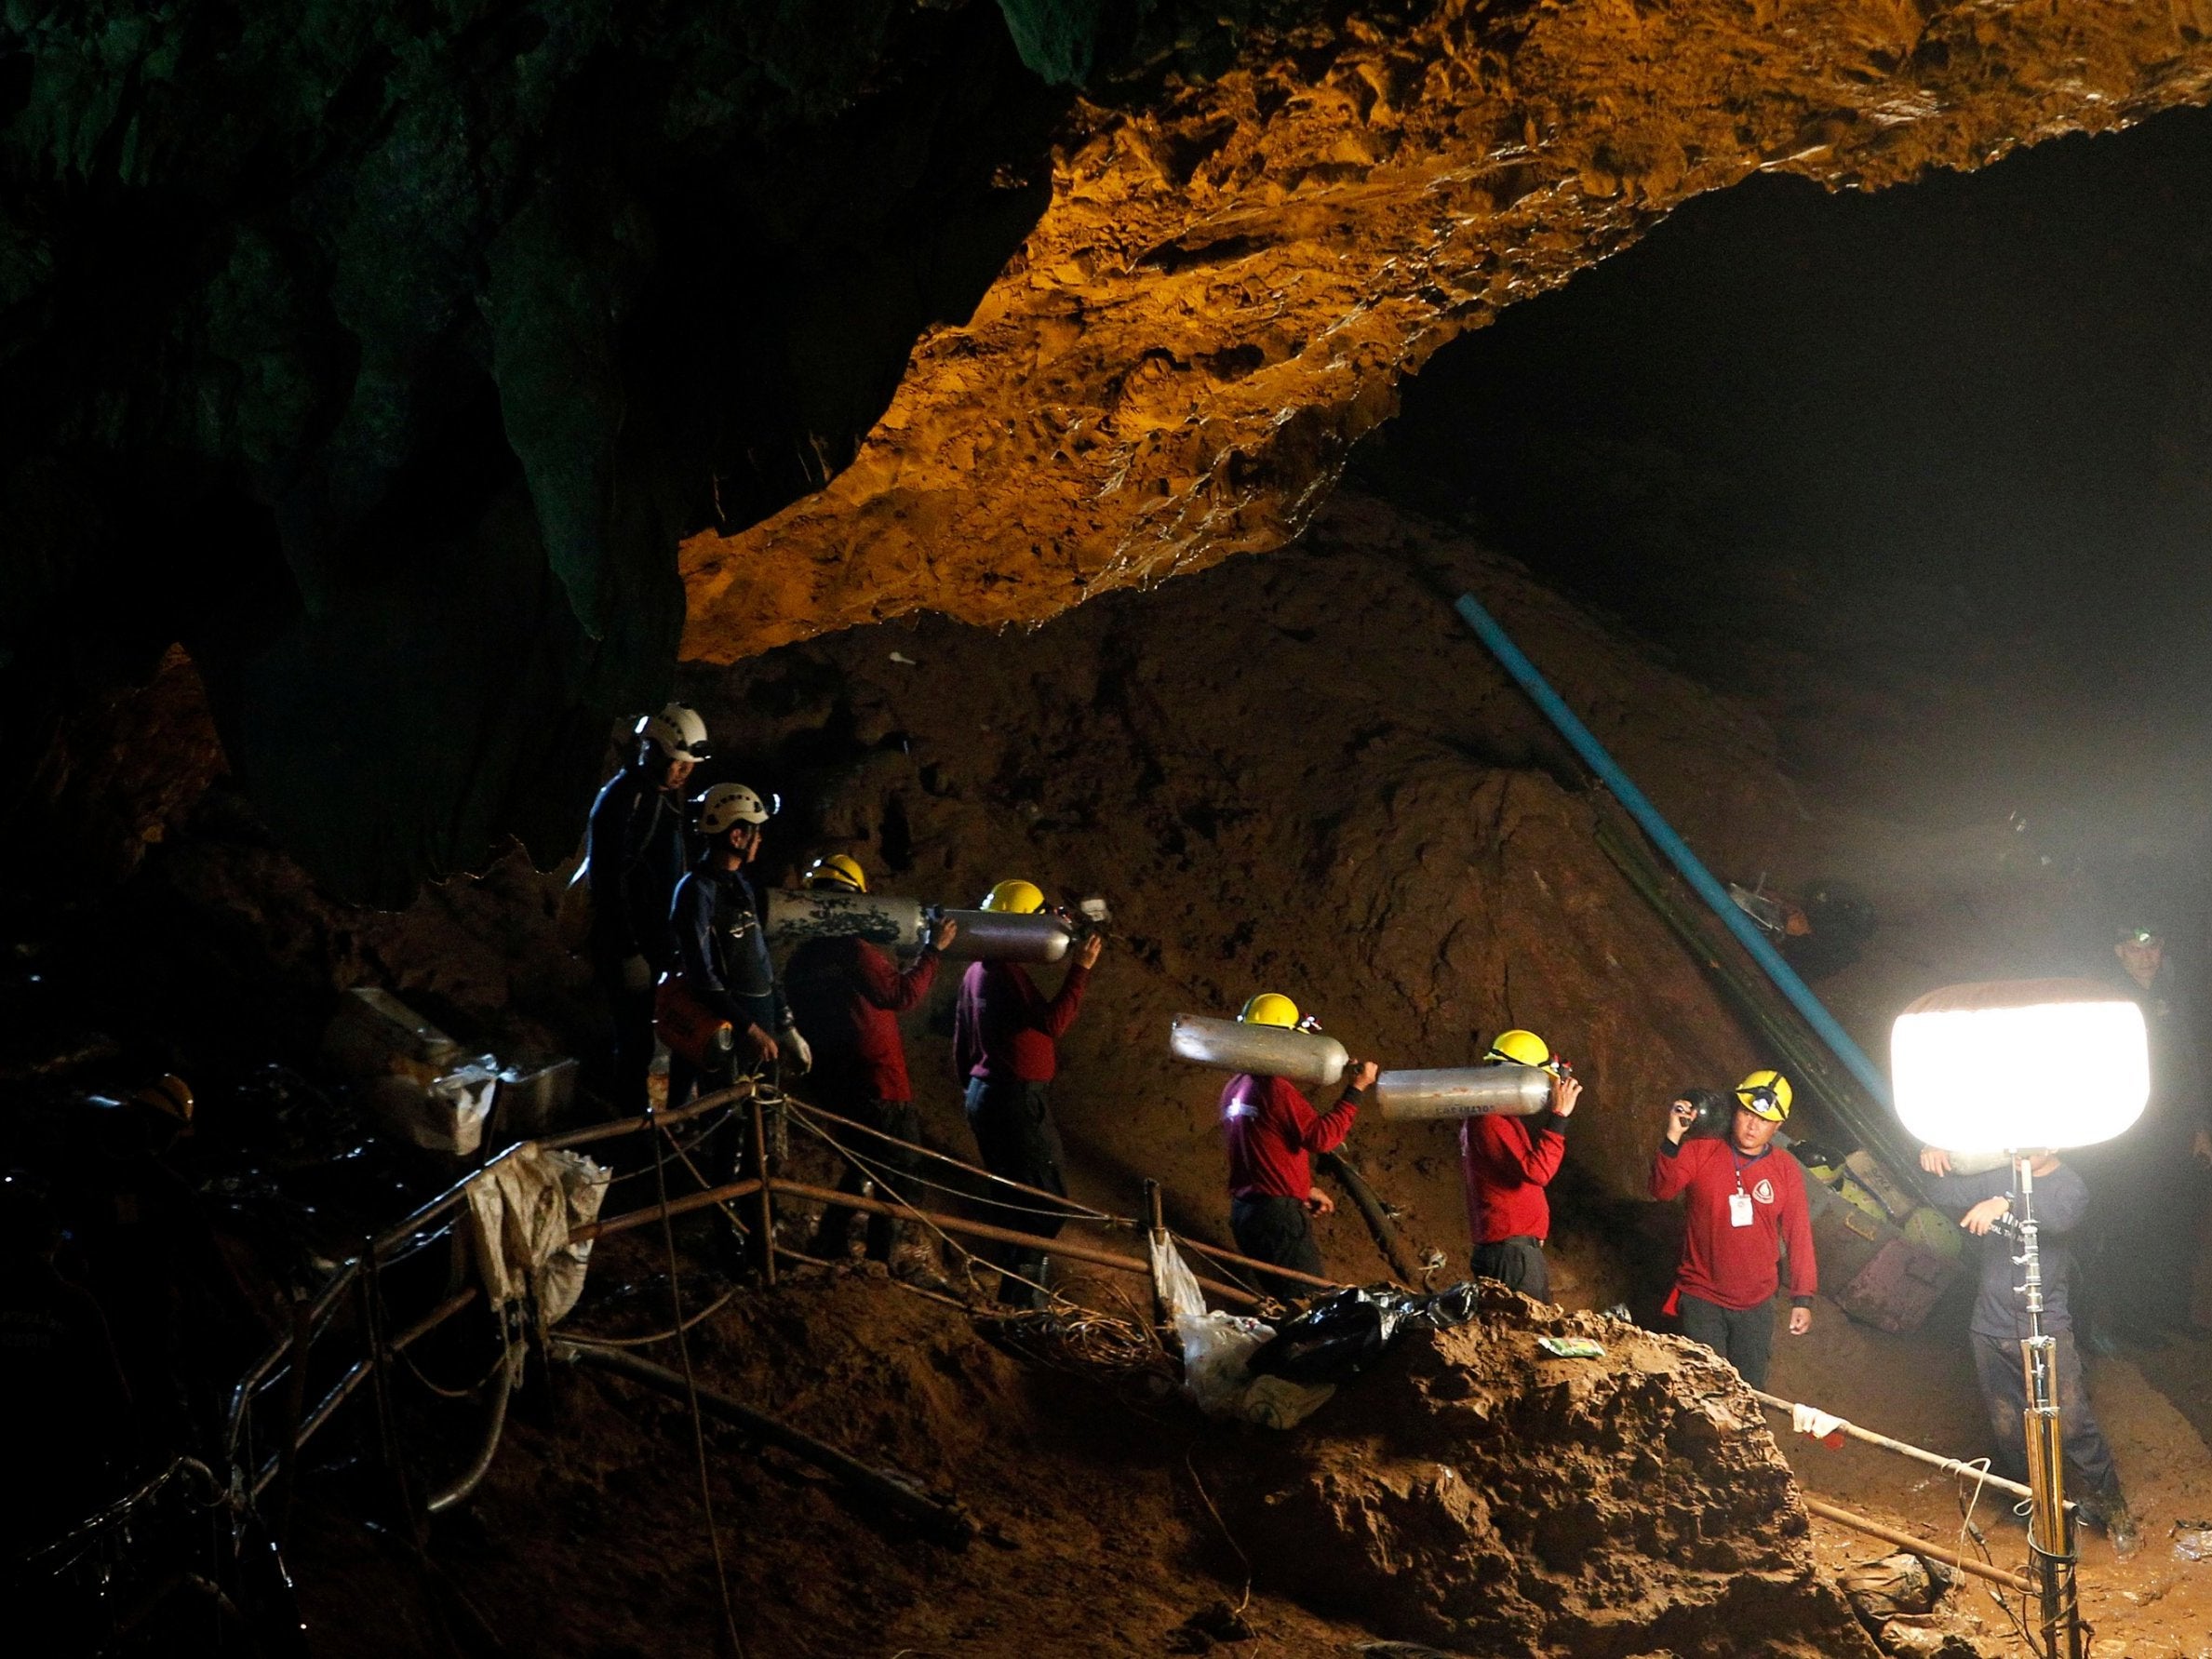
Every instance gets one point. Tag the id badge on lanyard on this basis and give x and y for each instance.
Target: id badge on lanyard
(1739, 1201)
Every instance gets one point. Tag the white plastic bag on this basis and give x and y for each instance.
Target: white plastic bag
(1217, 1350)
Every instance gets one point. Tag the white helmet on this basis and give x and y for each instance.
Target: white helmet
(678, 733)
(726, 804)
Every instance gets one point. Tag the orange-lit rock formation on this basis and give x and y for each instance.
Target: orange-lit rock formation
(1228, 282)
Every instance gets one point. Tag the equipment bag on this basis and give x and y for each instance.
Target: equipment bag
(692, 1030)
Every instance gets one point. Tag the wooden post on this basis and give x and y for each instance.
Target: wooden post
(1918, 1546)
(765, 1245)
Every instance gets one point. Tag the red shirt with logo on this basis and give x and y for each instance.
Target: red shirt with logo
(1738, 1267)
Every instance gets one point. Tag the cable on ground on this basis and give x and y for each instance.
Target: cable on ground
(683, 1348)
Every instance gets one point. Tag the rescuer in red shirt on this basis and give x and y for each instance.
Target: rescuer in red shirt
(849, 995)
(1273, 1133)
(1745, 1202)
(1006, 1046)
(1506, 1163)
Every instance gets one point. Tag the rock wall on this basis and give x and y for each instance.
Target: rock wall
(384, 357)
(1230, 279)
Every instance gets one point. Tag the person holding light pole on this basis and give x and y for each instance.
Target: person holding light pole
(1746, 1204)
(1984, 1204)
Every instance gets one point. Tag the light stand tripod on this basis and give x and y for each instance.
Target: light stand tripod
(2050, 1527)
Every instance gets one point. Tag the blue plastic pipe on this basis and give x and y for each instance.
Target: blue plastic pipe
(1677, 851)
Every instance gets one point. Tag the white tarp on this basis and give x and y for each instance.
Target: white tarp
(523, 1207)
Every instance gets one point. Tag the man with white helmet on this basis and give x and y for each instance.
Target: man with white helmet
(721, 948)
(634, 856)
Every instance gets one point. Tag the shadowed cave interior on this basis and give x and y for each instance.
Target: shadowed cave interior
(362, 387)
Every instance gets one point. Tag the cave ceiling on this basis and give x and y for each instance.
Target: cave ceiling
(1227, 284)
(386, 356)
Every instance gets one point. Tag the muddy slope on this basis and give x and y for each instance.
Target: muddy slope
(1468, 1493)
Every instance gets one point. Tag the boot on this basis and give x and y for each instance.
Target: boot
(2107, 1511)
(2120, 1528)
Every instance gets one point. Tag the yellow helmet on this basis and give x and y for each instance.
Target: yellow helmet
(1766, 1094)
(1270, 1007)
(838, 871)
(1015, 898)
(1519, 1048)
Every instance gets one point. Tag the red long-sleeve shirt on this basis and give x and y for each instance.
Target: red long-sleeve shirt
(1273, 1133)
(1005, 1029)
(1738, 1267)
(846, 997)
(1506, 1164)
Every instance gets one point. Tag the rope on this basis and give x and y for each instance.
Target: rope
(444, 1393)
(708, 1312)
(1224, 1525)
(1241, 1278)
(1074, 1209)
(883, 1181)
(683, 1348)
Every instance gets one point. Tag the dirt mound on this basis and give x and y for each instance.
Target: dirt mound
(587, 1539)
(1479, 1494)
(1468, 1492)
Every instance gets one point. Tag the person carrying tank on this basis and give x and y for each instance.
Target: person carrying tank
(1506, 1163)
(850, 994)
(633, 859)
(1273, 1132)
(1006, 1050)
(1745, 1204)
(723, 964)
(1983, 1203)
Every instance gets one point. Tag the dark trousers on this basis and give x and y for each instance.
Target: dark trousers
(1268, 1227)
(633, 1013)
(2005, 1391)
(1516, 1263)
(1743, 1336)
(892, 1158)
(1014, 1129)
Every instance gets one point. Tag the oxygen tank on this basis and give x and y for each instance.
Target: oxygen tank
(1464, 1091)
(1264, 1050)
(1007, 936)
(821, 914)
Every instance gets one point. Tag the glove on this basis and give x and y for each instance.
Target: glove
(1818, 1425)
(801, 1057)
(638, 975)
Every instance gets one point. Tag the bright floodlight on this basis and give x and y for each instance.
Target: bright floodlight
(2016, 1064)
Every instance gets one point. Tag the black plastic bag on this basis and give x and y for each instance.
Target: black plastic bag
(1345, 1332)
